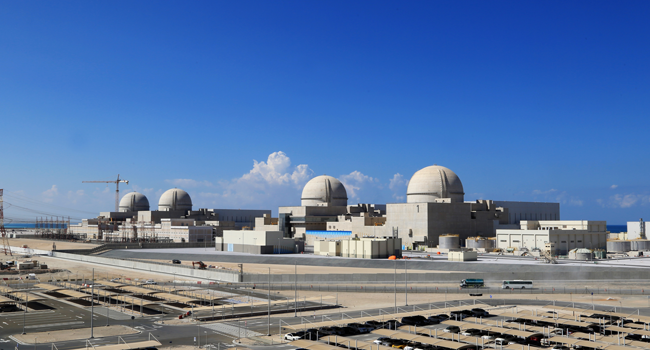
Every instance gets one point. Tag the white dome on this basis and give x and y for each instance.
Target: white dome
(434, 182)
(324, 190)
(175, 199)
(134, 201)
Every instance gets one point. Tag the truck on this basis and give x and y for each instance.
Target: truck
(472, 283)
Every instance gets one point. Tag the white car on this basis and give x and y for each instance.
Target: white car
(291, 336)
(380, 340)
(487, 337)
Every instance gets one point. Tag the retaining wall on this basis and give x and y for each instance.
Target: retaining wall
(170, 269)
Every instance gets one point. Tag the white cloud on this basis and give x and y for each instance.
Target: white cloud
(276, 170)
(189, 183)
(267, 185)
(355, 181)
(613, 187)
(624, 201)
(48, 195)
(398, 186)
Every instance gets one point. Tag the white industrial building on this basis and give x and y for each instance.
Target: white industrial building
(174, 221)
(565, 235)
(365, 248)
(435, 206)
(257, 242)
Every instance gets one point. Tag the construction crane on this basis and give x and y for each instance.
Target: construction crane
(117, 188)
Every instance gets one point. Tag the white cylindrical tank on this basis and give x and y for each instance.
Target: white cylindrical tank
(618, 246)
(448, 242)
(640, 245)
(584, 254)
(479, 242)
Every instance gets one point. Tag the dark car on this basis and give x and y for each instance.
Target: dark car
(413, 321)
(392, 324)
(477, 312)
(176, 261)
(459, 315)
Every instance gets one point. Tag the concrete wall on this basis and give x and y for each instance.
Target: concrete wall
(518, 211)
(170, 269)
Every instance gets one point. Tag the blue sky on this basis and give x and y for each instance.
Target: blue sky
(240, 103)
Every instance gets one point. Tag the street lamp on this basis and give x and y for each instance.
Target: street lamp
(269, 305)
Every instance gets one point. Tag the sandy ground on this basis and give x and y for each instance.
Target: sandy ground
(47, 245)
(286, 269)
(73, 334)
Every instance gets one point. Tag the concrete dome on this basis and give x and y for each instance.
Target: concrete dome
(324, 191)
(434, 182)
(175, 199)
(134, 201)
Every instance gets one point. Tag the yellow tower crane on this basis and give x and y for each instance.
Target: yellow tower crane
(117, 188)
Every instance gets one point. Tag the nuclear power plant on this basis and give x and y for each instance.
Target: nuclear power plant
(435, 215)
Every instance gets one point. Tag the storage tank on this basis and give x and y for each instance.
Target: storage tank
(448, 242)
(583, 254)
(640, 245)
(479, 242)
(618, 246)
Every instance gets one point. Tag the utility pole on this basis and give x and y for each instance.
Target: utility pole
(406, 285)
(92, 304)
(5, 241)
(269, 305)
(295, 289)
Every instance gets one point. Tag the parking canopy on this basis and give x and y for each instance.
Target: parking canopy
(447, 344)
(312, 345)
(349, 342)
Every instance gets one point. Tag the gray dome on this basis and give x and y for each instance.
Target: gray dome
(434, 182)
(324, 190)
(175, 199)
(134, 201)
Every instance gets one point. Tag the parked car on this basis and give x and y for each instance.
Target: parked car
(380, 340)
(433, 320)
(480, 312)
(176, 261)
(472, 332)
(362, 328)
(451, 329)
(413, 321)
(294, 336)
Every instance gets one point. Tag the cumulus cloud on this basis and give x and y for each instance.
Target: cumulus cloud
(613, 187)
(268, 184)
(189, 183)
(276, 170)
(48, 195)
(398, 185)
(355, 181)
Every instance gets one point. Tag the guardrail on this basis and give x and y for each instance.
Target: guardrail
(390, 288)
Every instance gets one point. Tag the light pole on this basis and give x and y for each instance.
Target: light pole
(295, 289)
(198, 334)
(92, 304)
(395, 286)
(25, 313)
(406, 285)
(269, 305)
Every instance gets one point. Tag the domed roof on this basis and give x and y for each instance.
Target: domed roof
(434, 182)
(175, 199)
(134, 201)
(324, 190)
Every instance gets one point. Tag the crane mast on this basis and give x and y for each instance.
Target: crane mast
(117, 188)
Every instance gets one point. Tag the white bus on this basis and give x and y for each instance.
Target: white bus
(517, 284)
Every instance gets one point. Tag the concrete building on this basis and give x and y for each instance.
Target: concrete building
(257, 242)
(365, 248)
(435, 206)
(564, 235)
(174, 221)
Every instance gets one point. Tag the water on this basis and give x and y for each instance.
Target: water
(617, 228)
